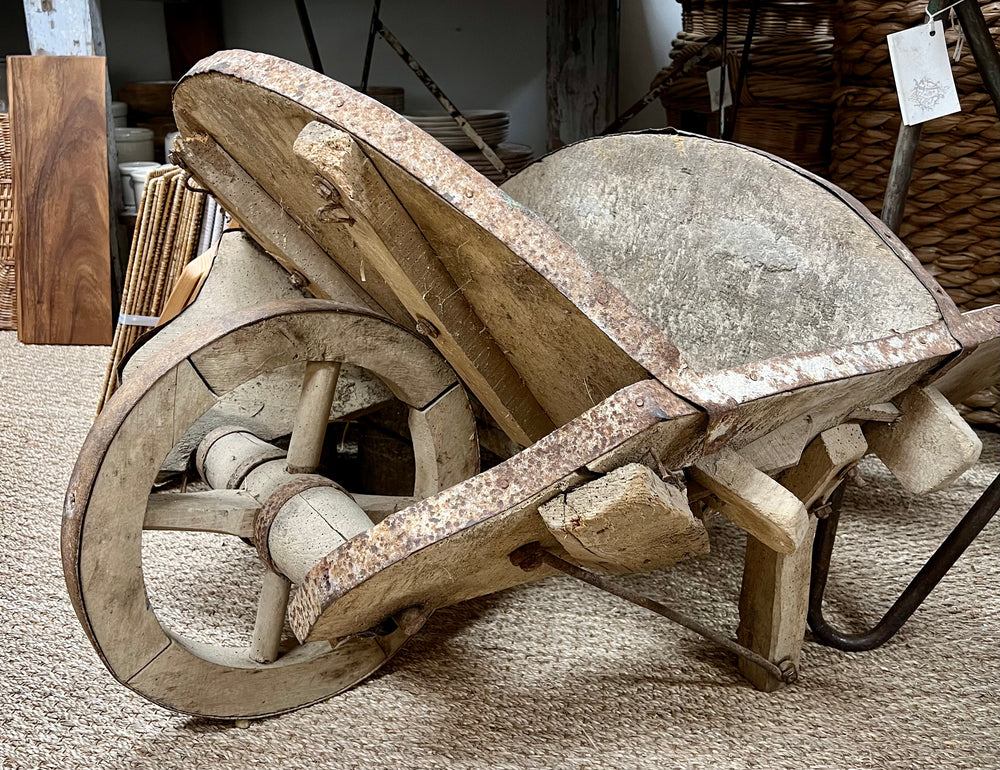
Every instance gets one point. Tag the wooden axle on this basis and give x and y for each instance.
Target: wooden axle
(303, 516)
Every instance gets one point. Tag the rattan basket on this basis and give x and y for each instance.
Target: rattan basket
(952, 215)
(785, 104)
(8, 286)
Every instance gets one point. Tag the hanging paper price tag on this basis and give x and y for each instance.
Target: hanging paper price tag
(713, 76)
(920, 65)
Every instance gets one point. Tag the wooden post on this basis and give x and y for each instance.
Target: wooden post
(775, 596)
(581, 83)
(898, 186)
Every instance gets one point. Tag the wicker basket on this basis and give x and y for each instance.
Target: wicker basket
(952, 217)
(8, 287)
(786, 102)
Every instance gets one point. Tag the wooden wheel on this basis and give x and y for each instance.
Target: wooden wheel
(109, 504)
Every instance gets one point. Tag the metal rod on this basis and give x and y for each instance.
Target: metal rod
(307, 32)
(443, 100)
(370, 47)
(970, 16)
(913, 596)
(744, 68)
(897, 188)
(680, 66)
(533, 555)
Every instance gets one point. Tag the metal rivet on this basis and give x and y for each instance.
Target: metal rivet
(426, 328)
(324, 189)
(504, 484)
(469, 194)
(640, 402)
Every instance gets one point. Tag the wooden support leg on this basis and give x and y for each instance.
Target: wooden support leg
(775, 596)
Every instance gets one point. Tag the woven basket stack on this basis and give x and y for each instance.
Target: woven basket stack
(952, 217)
(167, 236)
(787, 99)
(8, 288)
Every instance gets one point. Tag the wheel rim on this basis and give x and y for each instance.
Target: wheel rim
(109, 490)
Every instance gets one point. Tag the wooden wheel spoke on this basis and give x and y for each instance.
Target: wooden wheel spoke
(379, 506)
(271, 607)
(227, 511)
(312, 415)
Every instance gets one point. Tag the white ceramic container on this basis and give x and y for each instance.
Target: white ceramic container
(134, 144)
(125, 171)
(119, 111)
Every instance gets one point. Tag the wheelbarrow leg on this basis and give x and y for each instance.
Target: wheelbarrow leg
(775, 596)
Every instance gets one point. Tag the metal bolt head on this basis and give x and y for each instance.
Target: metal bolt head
(789, 674)
(426, 328)
(324, 189)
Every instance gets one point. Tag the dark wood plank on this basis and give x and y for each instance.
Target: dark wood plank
(581, 83)
(61, 236)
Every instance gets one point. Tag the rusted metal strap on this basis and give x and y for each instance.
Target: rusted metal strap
(532, 556)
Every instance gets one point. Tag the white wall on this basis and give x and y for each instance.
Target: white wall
(483, 53)
(647, 29)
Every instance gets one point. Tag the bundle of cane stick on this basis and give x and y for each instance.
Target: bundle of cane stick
(166, 238)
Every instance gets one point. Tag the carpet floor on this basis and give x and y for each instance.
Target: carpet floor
(553, 675)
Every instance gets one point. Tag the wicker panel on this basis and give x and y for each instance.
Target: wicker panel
(165, 240)
(805, 18)
(8, 287)
(785, 105)
(952, 216)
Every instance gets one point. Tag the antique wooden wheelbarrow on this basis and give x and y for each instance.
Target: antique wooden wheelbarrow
(663, 322)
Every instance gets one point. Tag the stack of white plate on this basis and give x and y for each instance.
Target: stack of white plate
(491, 125)
(514, 156)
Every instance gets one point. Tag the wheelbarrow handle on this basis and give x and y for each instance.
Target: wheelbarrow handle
(930, 575)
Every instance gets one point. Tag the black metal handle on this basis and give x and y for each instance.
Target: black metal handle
(919, 588)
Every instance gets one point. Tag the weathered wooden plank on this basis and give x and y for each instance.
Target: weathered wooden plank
(753, 500)
(229, 512)
(387, 235)
(627, 521)
(60, 164)
(581, 83)
(272, 227)
(929, 446)
(554, 319)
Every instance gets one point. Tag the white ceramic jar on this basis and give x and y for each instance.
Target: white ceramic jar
(125, 171)
(134, 144)
(119, 111)
(139, 176)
